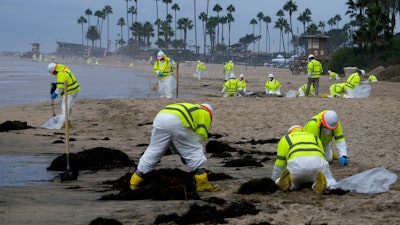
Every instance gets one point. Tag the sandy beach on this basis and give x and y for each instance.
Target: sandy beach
(369, 125)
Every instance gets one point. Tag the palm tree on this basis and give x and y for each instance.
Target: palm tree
(230, 10)
(175, 7)
(331, 22)
(107, 11)
(217, 8)
(337, 18)
(127, 18)
(321, 24)
(267, 20)
(254, 23)
(132, 10)
(281, 24)
(148, 32)
(158, 22)
(305, 17)
(260, 16)
(121, 23)
(290, 7)
(82, 20)
(136, 10)
(100, 15)
(195, 27)
(223, 20)
(92, 34)
(166, 2)
(185, 24)
(88, 13)
(203, 18)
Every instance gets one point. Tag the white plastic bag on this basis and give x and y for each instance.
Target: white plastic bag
(362, 91)
(376, 180)
(55, 122)
(291, 94)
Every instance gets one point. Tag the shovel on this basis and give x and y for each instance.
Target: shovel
(68, 175)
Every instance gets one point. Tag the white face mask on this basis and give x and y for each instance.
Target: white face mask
(327, 131)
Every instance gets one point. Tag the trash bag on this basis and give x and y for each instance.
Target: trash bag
(362, 91)
(376, 180)
(55, 122)
(197, 75)
(291, 94)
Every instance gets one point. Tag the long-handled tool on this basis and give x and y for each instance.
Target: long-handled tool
(152, 89)
(68, 175)
(53, 88)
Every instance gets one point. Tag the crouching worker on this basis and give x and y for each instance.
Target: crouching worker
(182, 126)
(300, 159)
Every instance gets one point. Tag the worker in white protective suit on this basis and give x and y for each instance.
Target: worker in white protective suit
(326, 126)
(300, 159)
(164, 69)
(182, 127)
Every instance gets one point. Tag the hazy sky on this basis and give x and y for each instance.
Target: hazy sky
(47, 21)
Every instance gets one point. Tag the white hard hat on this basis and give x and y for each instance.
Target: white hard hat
(241, 75)
(295, 128)
(160, 54)
(230, 60)
(51, 67)
(330, 119)
(208, 107)
(198, 61)
(362, 72)
(311, 56)
(271, 75)
(232, 76)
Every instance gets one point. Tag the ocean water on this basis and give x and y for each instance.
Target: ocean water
(24, 82)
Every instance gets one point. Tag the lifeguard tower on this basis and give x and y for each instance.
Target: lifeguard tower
(316, 45)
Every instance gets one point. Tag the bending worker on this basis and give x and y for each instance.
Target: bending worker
(231, 87)
(163, 68)
(337, 90)
(63, 73)
(353, 81)
(242, 84)
(300, 159)
(180, 126)
(302, 90)
(326, 126)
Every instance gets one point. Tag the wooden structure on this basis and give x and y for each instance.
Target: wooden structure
(316, 45)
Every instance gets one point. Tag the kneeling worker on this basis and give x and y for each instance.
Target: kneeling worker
(181, 126)
(300, 159)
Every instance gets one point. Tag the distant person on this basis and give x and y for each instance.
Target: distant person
(272, 86)
(337, 90)
(353, 81)
(163, 68)
(228, 69)
(300, 159)
(302, 90)
(200, 70)
(314, 71)
(182, 127)
(63, 73)
(372, 78)
(326, 126)
(231, 87)
(333, 75)
(242, 84)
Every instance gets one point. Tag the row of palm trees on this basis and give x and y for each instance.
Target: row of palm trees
(213, 26)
